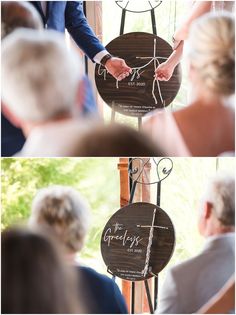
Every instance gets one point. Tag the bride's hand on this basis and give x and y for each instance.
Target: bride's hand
(164, 72)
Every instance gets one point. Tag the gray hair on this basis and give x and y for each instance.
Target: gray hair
(64, 212)
(40, 76)
(220, 193)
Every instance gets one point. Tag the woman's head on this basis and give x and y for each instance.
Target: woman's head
(211, 52)
(64, 212)
(34, 277)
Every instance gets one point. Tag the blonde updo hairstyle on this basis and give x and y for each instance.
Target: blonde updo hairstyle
(212, 52)
(62, 211)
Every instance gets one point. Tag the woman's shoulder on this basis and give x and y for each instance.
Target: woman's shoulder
(162, 127)
(156, 118)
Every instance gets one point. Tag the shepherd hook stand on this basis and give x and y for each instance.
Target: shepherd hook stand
(122, 26)
(163, 170)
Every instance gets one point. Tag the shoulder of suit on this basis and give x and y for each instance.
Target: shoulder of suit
(186, 264)
(217, 246)
(93, 273)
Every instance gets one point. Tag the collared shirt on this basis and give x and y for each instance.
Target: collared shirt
(98, 57)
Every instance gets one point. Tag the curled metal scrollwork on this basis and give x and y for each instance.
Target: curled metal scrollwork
(124, 4)
(163, 169)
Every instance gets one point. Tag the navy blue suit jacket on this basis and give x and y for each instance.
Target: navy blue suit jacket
(12, 139)
(70, 15)
(101, 294)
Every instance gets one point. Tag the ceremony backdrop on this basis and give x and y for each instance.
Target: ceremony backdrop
(105, 18)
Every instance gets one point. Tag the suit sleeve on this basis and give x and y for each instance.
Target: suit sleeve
(119, 301)
(78, 27)
(169, 301)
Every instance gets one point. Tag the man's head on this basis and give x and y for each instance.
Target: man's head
(40, 76)
(217, 213)
(64, 212)
(114, 140)
(17, 14)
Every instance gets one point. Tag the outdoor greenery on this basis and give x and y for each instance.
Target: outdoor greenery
(98, 180)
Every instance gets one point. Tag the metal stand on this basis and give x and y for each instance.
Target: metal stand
(163, 171)
(158, 203)
(153, 18)
(122, 26)
(149, 297)
(122, 23)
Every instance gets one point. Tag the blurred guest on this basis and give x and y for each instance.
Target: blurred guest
(192, 283)
(22, 14)
(34, 278)
(38, 95)
(115, 140)
(206, 127)
(65, 213)
(14, 15)
(58, 15)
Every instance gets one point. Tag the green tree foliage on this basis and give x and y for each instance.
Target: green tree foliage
(96, 179)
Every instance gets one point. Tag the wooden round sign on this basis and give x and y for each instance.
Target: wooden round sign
(141, 92)
(138, 241)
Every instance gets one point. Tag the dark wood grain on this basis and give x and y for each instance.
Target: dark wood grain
(134, 98)
(127, 261)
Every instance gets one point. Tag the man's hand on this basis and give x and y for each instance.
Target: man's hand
(164, 72)
(118, 68)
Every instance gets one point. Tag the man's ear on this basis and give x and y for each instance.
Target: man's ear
(10, 116)
(207, 211)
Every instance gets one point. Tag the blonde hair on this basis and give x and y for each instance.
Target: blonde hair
(40, 76)
(212, 51)
(64, 212)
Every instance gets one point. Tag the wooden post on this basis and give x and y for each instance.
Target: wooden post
(124, 181)
(124, 200)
